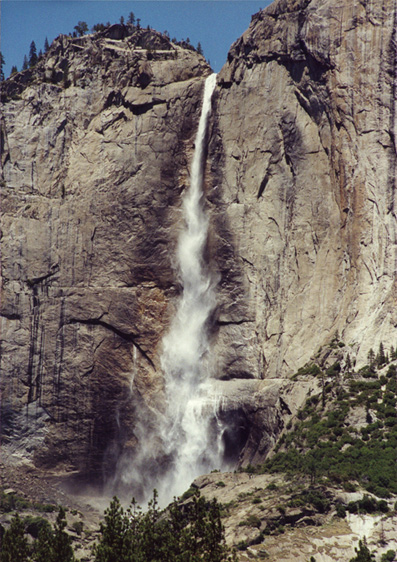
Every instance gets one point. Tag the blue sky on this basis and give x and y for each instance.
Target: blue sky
(215, 23)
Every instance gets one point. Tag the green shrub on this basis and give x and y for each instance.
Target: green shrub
(189, 493)
(33, 525)
(78, 526)
(251, 521)
(388, 556)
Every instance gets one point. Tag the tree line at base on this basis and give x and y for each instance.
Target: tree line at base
(189, 532)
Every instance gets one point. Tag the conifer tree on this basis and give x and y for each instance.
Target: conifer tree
(2, 63)
(381, 357)
(122, 20)
(363, 553)
(113, 532)
(14, 70)
(131, 18)
(14, 546)
(44, 545)
(25, 63)
(81, 28)
(200, 49)
(98, 27)
(46, 45)
(32, 54)
(371, 357)
(63, 551)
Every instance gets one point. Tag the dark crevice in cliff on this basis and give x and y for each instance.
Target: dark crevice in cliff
(263, 185)
(116, 98)
(236, 434)
(392, 180)
(36, 280)
(233, 322)
(124, 335)
(10, 315)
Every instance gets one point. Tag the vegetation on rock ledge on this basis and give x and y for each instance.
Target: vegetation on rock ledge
(347, 433)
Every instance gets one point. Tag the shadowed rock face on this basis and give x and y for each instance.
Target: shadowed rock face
(303, 161)
(96, 142)
(300, 189)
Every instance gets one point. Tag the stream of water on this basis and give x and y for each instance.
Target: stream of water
(191, 433)
(185, 439)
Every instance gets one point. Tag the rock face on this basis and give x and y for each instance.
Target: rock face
(300, 189)
(96, 144)
(304, 174)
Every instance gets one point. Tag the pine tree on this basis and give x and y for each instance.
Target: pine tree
(122, 20)
(113, 532)
(2, 63)
(63, 551)
(81, 28)
(131, 18)
(98, 27)
(371, 357)
(14, 546)
(200, 49)
(46, 45)
(381, 357)
(363, 553)
(32, 54)
(348, 363)
(44, 545)
(25, 63)
(14, 70)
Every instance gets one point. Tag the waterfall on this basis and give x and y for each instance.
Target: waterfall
(191, 436)
(185, 439)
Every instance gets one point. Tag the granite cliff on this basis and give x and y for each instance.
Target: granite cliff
(303, 161)
(300, 187)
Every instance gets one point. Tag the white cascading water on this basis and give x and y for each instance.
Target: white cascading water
(185, 440)
(190, 434)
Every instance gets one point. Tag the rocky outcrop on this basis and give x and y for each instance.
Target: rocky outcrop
(303, 163)
(96, 142)
(268, 517)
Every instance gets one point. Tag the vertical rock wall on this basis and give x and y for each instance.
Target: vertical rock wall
(303, 157)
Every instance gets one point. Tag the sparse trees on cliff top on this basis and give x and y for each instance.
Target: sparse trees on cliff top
(81, 28)
(2, 63)
(32, 55)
